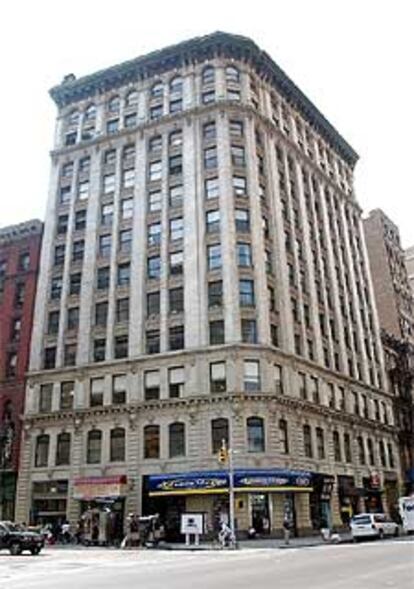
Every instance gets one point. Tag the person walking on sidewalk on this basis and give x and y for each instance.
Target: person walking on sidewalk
(286, 531)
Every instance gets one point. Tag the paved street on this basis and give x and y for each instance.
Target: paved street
(372, 565)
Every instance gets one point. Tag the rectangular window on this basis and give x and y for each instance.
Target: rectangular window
(176, 300)
(176, 382)
(153, 303)
(109, 157)
(112, 126)
(218, 382)
(155, 144)
(307, 441)
(176, 138)
(155, 170)
(123, 275)
(96, 394)
(101, 314)
(156, 112)
(236, 128)
(59, 255)
(73, 318)
(249, 331)
(208, 96)
(99, 350)
(75, 283)
(278, 379)
(83, 190)
(125, 241)
(105, 242)
(80, 220)
(242, 219)
(176, 263)
(67, 393)
(53, 323)
(176, 337)
(215, 294)
(103, 278)
(49, 359)
(238, 158)
(246, 293)
(154, 201)
(209, 130)
(239, 185)
(62, 224)
(153, 341)
(251, 375)
(122, 310)
(109, 183)
(64, 195)
(154, 234)
(121, 346)
(78, 250)
(176, 195)
(127, 208)
(152, 385)
(130, 120)
(214, 256)
(211, 188)
(154, 267)
(216, 329)
(213, 221)
(45, 398)
(175, 165)
(69, 355)
(107, 214)
(210, 158)
(244, 254)
(119, 389)
(176, 105)
(176, 229)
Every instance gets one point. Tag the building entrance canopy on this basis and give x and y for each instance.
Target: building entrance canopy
(217, 481)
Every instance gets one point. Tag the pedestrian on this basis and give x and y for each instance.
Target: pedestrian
(286, 531)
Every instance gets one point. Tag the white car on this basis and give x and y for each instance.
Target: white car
(372, 525)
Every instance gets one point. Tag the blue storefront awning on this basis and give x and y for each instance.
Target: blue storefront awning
(217, 481)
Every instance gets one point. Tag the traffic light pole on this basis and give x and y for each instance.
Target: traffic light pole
(231, 498)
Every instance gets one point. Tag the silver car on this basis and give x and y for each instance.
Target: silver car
(372, 525)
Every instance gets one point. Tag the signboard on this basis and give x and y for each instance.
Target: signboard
(192, 523)
(87, 488)
(214, 482)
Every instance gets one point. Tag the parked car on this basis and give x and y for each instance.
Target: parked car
(372, 525)
(16, 540)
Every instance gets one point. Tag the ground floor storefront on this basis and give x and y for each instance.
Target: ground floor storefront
(264, 500)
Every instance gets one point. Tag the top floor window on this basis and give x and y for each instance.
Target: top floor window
(73, 118)
(90, 113)
(176, 85)
(157, 90)
(232, 74)
(208, 75)
(131, 99)
(114, 104)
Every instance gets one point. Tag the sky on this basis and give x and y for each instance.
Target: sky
(353, 59)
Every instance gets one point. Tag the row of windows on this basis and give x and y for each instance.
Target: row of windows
(155, 107)
(314, 445)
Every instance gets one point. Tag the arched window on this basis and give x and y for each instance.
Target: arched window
(114, 104)
(42, 450)
(93, 450)
(361, 450)
(90, 113)
(131, 99)
(219, 432)
(176, 439)
(284, 436)
(255, 434)
(337, 446)
(117, 445)
(232, 74)
(371, 456)
(63, 449)
(157, 90)
(73, 118)
(152, 441)
(208, 75)
(382, 453)
(176, 85)
(307, 441)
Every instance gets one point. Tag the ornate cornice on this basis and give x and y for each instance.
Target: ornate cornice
(196, 51)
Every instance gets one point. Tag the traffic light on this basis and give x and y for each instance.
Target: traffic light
(222, 454)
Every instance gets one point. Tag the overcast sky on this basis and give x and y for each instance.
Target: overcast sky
(353, 59)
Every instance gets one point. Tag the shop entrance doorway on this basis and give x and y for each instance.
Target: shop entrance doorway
(260, 518)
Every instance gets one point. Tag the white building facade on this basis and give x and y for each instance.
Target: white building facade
(203, 277)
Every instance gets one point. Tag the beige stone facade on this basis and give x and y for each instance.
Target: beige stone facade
(203, 259)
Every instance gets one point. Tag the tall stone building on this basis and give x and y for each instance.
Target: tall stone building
(395, 306)
(409, 262)
(19, 264)
(204, 277)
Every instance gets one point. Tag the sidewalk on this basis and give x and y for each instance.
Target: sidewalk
(306, 542)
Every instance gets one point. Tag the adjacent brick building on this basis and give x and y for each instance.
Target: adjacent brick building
(204, 276)
(19, 264)
(394, 298)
